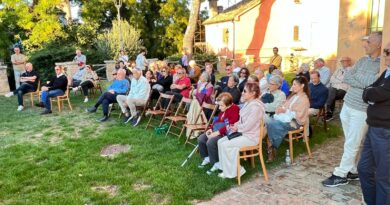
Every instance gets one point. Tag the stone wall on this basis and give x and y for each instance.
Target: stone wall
(71, 67)
(4, 86)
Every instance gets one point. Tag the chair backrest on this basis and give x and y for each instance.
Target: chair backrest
(38, 86)
(211, 107)
(182, 107)
(162, 97)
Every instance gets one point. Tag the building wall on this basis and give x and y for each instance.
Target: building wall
(318, 30)
(386, 29)
(215, 41)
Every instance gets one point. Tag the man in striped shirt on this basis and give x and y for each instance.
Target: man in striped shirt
(354, 112)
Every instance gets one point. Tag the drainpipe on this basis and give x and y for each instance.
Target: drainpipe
(234, 39)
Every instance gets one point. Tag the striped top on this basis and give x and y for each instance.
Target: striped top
(364, 73)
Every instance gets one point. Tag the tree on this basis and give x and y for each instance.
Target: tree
(188, 40)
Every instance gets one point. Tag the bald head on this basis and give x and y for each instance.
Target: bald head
(121, 74)
(373, 44)
(29, 67)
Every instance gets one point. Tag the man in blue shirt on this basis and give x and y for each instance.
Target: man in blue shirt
(318, 93)
(118, 87)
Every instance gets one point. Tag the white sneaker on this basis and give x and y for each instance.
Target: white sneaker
(242, 171)
(9, 94)
(205, 161)
(20, 107)
(214, 168)
(85, 100)
(75, 89)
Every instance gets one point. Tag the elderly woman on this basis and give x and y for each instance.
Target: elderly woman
(263, 82)
(290, 116)
(204, 89)
(251, 114)
(273, 97)
(243, 78)
(207, 142)
(194, 71)
(233, 89)
(88, 81)
(304, 71)
(162, 85)
(284, 87)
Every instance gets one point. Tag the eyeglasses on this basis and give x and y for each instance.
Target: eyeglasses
(245, 91)
(243, 73)
(179, 73)
(386, 51)
(163, 71)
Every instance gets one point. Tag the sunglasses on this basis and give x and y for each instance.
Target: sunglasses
(386, 51)
(163, 71)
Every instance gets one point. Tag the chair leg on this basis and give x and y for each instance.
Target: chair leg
(181, 131)
(70, 106)
(59, 105)
(307, 146)
(32, 99)
(150, 119)
(290, 140)
(169, 128)
(263, 165)
(252, 159)
(238, 170)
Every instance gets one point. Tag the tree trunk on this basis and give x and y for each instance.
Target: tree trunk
(188, 40)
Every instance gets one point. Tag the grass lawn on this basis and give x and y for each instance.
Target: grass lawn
(55, 159)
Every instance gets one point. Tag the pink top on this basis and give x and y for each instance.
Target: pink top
(187, 82)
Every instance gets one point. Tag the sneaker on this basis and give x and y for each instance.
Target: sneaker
(9, 94)
(103, 119)
(91, 109)
(40, 104)
(242, 171)
(335, 181)
(45, 112)
(205, 162)
(329, 118)
(351, 176)
(75, 89)
(213, 169)
(136, 120)
(127, 119)
(221, 175)
(20, 108)
(85, 100)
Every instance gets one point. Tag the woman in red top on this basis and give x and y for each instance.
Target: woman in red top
(208, 146)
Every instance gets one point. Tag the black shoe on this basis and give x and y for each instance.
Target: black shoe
(127, 119)
(45, 112)
(40, 104)
(103, 119)
(328, 118)
(136, 120)
(334, 181)
(351, 176)
(91, 109)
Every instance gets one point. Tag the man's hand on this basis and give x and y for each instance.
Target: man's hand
(112, 91)
(45, 88)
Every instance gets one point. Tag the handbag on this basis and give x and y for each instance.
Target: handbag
(234, 135)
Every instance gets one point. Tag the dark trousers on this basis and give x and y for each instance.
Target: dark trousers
(105, 100)
(333, 95)
(209, 147)
(75, 83)
(374, 166)
(177, 97)
(23, 89)
(85, 86)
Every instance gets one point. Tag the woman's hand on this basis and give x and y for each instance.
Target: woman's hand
(208, 132)
(233, 128)
(280, 110)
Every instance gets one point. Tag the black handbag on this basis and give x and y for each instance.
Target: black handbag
(234, 135)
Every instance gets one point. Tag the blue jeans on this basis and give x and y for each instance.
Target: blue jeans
(23, 89)
(17, 78)
(277, 130)
(46, 95)
(374, 166)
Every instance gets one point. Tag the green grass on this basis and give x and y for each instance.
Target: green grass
(55, 159)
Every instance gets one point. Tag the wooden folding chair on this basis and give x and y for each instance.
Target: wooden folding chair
(61, 99)
(251, 152)
(97, 87)
(202, 126)
(301, 132)
(180, 116)
(35, 93)
(159, 110)
(321, 115)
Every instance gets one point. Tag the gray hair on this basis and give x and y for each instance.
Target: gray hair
(259, 71)
(235, 78)
(277, 72)
(206, 76)
(276, 79)
(305, 67)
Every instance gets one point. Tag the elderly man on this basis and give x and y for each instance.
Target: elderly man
(337, 88)
(80, 57)
(18, 61)
(318, 93)
(374, 164)
(222, 83)
(276, 59)
(324, 71)
(56, 87)
(138, 96)
(118, 87)
(76, 79)
(263, 82)
(29, 80)
(354, 112)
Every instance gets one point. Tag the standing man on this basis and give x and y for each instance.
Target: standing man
(354, 113)
(29, 82)
(141, 61)
(324, 71)
(337, 88)
(276, 60)
(80, 57)
(18, 61)
(374, 165)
